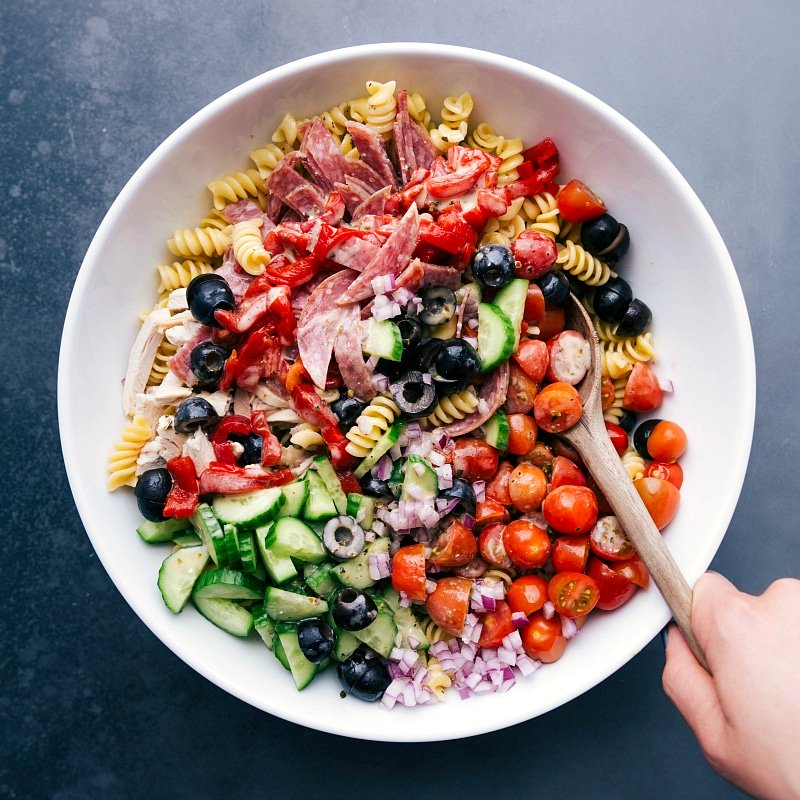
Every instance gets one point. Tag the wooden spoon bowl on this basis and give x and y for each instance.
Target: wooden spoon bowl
(590, 438)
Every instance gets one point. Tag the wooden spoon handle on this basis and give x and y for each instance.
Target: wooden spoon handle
(606, 468)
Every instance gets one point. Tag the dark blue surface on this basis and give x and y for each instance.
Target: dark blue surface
(91, 704)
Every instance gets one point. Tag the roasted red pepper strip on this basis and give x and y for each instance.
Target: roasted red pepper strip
(229, 479)
(282, 272)
(295, 374)
(258, 358)
(542, 154)
(273, 304)
(270, 448)
(433, 234)
(224, 452)
(311, 408)
(233, 423)
(542, 180)
(349, 483)
(182, 498)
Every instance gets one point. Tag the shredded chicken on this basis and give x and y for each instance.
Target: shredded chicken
(143, 354)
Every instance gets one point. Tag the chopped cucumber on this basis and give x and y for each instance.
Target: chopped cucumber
(420, 482)
(379, 634)
(361, 507)
(411, 633)
(319, 504)
(178, 575)
(159, 532)
(383, 340)
(355, 571)
(225, 614)
(249, 509)
(295, 495)
(247, 551)
(285, 606)
(228, 548)
(281, 568)
(187, 538)
(277, 648)
(292, 537)
(383, 445)
(208, 529)
(303, 670)
(230, 584)
(321, 579)
(346, 644)
(496, 336)
(264, 625)
(331, 480)
(497, 431)
(511, 299)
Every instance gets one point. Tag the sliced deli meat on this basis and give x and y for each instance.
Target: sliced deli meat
(292, 189)
(412, 145)
(372, 149)
(347, 349)
(490, 397)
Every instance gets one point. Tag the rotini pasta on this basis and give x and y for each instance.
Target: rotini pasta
(418, 110)
(574, 259)
(542, 211)
(510, 150)
(382, 107)
(633, 463)
(122, 460)
(248, 246)
(433, 632)
(306, 436)
(238, 186)
(196, 242)
(438, 681)
(615, 412)
(160, 367)
(452, 407)
(619, 358)
(485, 138)
(373, 422)
(179, 274)
(569, 231)
(214, 220)
(287, 133)
(266, 158)
(455, 121)
(497, 575)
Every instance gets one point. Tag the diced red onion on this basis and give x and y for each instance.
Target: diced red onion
(380, 382)
(372, 362)
(506, 656)
(419, 469)
(548, 609)
(430, 586)
(436, 458)
(427, 378)
(569, 628)
(379, 566)
(479, 487)
(383, 469)
(666, 385)
(518, 619)
(413, 430)
(469, 521)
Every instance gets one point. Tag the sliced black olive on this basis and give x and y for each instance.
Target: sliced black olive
(493, 265)
(207, 361)
(315, 638)
(410, 332)
(414, 394)
(364, 675)
(194, 413)
(611, 300)
(253, 445)
(462, 491)
(152, 488)
(455, 360)
(438, 305)
(353, 610)
(426, 352)
(555, 287)
(347, 410)
(628, 421)
(636, 319)
(641, 436)
(375, 487)
(343, 537)
(576, 286)
(605, 238)
(206, 294)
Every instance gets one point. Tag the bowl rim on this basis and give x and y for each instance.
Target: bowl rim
(743, 435)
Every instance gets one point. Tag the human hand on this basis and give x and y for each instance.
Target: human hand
(746, 714)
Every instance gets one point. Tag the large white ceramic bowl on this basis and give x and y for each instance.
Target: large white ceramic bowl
(678, 264)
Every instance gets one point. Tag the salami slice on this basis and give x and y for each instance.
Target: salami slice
(347, 349)
(319, 323)
(391, 259)
(374, 204)
(372, 149)
(435, 275)
(491, 396)
(290, 187)
(321, 156)
(412, 144)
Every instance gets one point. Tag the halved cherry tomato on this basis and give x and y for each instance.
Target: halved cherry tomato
(553, 322)
(489, 511)
(521, 390)
(667, 472)
(527, 594)
(527, 487)
(634, 570)
(578, 203)
(534, 305)
(565, 473)
(661, 499)
(522, 434)
(667, 441)
(497, 625)
(542, 638)
(454, 547)
(557, 407)
(541, 456)
(608, 540)
(533, 358)
(408, 571)
(642, 391)
(447, 605)
(607, 394)
(527, 545)
(497, 488)
(534, 253)
(571, 509)
(474, 459)
(614, 587)
(490, 543)
(618, 436)
(570, 553)
(573, 593)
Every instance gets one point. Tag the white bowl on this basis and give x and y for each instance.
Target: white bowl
(678, 264)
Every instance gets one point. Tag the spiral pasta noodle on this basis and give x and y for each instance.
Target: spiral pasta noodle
(288, 131)
(381, 107)
(248, 246)
(418, 110)
(574, 259)
(214, 220)
(122, 460)
(542, 211)
(633, 463)
(372, 423)
(238, 186)
(179, 274)
(455, 120)
(497, 575)
(266, 158)
(196, 242)
(485, 138)
(434, 632)
(511, 152)
(160, 366)
(306, 436)
(437, 681)
(619, 358)
(452, 407)
(615, 411)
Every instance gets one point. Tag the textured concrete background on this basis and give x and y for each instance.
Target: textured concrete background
(91, 704)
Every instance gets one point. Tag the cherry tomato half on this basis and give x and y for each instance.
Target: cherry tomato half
(571, 509)
(542, 638)
(526, 544)
(522, 434)
(541, 456)
(618, 436)
(565, 473)
(667, 472)
(573, 593)
(488, 511)
(642, 390)
(607, 394)
(454, 547)
(661, 499)
(609, 541)
(553, 322)
(447, 605)
(570, 553)
(527, 487)
(527, 594)
(493, 551)
(534, 305)
(557, 407)
(667, 441)
(474, 459)
(521, 390)
(497, 488)
(533, 358)
(634, 570)
(408, 571)
(614, 587)
(578, 203)
(497, 625)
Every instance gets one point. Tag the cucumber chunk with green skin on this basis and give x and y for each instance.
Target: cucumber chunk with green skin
(411, 633)
(230, 584)
(380, 634)
(249, 509)
(159, 532)
(292, 537)
(355, 571)
(228, 548)
(361, 507)
(329, 477)
(346, 644)
(208, 529)
(496, 337)
(319, 504)
(279, 567)
(383, 340)
(295, 495)
(497, 430)
(382, 446)
(321, 579)
(420, 481)
(179, 574)
(303, 670)
(187, 538)
(225, 614)
(277, 648)
(511, 299)
(247, 551)
(264, 625)
(285, 606)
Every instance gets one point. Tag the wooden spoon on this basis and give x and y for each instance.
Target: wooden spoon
(590, 439)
